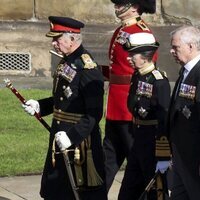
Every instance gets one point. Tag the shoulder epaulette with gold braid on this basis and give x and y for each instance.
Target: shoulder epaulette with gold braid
(164, 73)
(157, 74)
(88, 62)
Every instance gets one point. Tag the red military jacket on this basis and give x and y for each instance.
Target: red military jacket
(120, 70)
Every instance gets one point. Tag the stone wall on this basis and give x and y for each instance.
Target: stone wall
(95, 11)
(181, 11)
(16, 9)
(25, 22)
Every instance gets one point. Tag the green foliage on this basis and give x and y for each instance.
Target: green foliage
(23, 140)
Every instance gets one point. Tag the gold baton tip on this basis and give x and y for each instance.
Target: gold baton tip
(7, 82)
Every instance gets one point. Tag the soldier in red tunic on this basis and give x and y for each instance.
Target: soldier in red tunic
(118, 129)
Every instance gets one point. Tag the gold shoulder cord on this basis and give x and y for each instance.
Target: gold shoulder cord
(79, 151)
(159, 187)
(92, 176)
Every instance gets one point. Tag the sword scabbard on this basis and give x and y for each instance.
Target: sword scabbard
(70, 174)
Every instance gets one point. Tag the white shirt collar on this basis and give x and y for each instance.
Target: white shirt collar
(192, 63)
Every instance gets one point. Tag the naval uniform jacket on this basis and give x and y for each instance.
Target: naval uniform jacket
(121, 70)
(77, 107)
(184, 121)
(148, 101)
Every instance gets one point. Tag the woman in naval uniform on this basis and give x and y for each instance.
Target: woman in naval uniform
(148, 101)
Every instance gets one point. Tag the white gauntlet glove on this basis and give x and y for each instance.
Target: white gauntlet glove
(162, 166)
(31, 106)
(62, 140)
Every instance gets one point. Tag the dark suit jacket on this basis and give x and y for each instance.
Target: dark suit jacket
(184, 130)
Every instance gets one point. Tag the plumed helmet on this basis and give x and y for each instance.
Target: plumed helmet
(145, 6)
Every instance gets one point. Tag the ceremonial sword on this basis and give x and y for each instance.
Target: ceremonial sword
(148, 187)
(150, 184)
(41, 120)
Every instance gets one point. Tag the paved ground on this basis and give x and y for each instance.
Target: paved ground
(27, 187)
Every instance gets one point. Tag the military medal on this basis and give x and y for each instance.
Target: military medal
(186, 112)
(73, 66)
(68, 92)
(142, 112)
(187, 91)
(144, 89)
(68, 73)
(122, 37)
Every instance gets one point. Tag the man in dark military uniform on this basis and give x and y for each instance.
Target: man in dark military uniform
(148, 101)
(118, 129)
(77, 107)
(184, 115)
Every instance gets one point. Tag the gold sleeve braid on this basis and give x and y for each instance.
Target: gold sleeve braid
(162, 147)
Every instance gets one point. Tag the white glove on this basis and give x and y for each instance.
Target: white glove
(162, 166)
(62, 140)
(31, 106)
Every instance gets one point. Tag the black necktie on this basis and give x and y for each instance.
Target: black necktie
(179, 81)
(172, 109)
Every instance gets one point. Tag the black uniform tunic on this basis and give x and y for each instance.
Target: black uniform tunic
(148, 100)
(77, 107)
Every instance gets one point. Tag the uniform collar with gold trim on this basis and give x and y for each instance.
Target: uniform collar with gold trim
(131, 21)
(146, 69)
